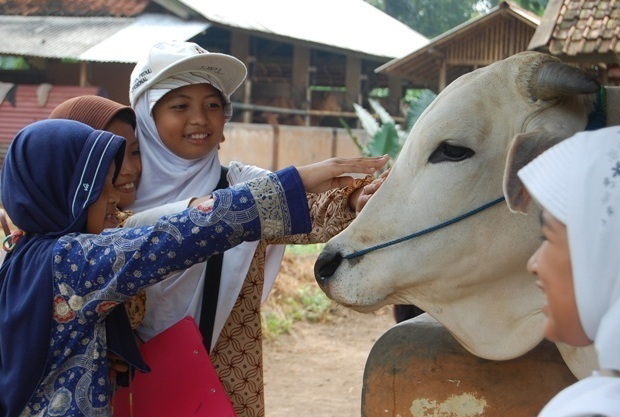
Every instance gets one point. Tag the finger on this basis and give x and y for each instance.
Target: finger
(361, 202)
(119, 366)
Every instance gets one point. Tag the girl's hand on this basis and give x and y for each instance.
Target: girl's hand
(326, 175)
(359, 198)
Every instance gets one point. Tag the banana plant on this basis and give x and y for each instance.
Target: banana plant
(386, 136)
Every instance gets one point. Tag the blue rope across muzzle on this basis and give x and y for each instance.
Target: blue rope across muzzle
(425, 231)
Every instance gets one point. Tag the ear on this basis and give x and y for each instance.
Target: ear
(523, 149)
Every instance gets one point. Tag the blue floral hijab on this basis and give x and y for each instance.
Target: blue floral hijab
(53, 171)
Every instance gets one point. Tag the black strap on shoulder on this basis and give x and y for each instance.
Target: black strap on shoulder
(211, 287)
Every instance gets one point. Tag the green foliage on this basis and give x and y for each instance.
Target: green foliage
(275, 324)
(416, 107)
(434, 17)
(307, 249)
(308, 304)
(387, 137)
(13, 63)
(429, 17)
(535, 6)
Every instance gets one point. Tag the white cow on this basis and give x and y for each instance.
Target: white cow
(471, 275)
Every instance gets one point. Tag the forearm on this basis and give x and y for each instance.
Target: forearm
(120, 262)
(330, 212)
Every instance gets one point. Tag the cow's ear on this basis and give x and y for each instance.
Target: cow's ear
(524, 148)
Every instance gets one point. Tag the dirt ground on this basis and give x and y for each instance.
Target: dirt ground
(317, 369)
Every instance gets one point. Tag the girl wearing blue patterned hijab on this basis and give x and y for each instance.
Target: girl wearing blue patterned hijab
(48, 182)
(59, 284)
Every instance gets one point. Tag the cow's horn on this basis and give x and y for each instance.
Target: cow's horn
(556, 79)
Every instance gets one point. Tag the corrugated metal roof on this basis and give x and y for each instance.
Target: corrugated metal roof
(55, 37)
(347, 24)
(130, 42)
(106, 39)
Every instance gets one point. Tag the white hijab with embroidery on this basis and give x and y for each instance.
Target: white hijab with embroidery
(578, 182)
(168, 178)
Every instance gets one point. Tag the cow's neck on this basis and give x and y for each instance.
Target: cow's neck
(613, 105)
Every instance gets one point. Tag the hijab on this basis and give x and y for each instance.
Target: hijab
(96, 111)
(53, 171)
(578, 182)
(168, 178)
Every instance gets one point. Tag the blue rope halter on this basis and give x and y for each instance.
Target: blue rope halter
(425, 231)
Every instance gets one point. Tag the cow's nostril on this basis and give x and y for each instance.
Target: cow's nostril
(325, 266)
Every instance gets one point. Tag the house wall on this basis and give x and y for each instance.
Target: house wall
(111, 77)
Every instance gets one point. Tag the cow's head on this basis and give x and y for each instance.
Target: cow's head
(471, 275)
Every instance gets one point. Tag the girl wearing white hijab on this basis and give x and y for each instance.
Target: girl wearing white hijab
(577, 183)
(181, 95)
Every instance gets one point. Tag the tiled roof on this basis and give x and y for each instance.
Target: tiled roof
(73, 7)
(578, 27)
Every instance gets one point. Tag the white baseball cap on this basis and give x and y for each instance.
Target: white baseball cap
(166, 59)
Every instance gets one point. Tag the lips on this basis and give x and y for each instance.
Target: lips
(110, 220)
(126, 188)
(197, 137)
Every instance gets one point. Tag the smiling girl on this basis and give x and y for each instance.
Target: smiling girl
(181, 95)
(577, 266)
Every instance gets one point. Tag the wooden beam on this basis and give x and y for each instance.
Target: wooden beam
(443, 74)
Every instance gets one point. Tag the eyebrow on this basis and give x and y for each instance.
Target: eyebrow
(187, 96)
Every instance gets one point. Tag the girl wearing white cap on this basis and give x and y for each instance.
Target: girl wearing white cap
(577, 265)
(181, 95)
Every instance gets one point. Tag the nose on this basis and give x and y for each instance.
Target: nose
(199, 117)
(532, 263)
(326, 265)
(114, 197)
(128, 168)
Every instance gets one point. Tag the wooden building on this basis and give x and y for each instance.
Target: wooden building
(307, 60)
(504, 31)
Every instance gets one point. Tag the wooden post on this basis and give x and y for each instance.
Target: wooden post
(443, 75)
(83, 74)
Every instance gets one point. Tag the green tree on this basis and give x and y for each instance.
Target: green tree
(536, 6)
(429, 17)
(434, 17)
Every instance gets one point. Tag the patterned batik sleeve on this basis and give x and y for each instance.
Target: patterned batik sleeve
(96, 272)
(330, 214)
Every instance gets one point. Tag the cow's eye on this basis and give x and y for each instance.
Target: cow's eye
(450, 153)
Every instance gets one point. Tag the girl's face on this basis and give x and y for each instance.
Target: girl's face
(552, 266)
(102, 213)
(190, 120)
(128, 177)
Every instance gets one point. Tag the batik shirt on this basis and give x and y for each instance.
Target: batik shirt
(94, 273)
